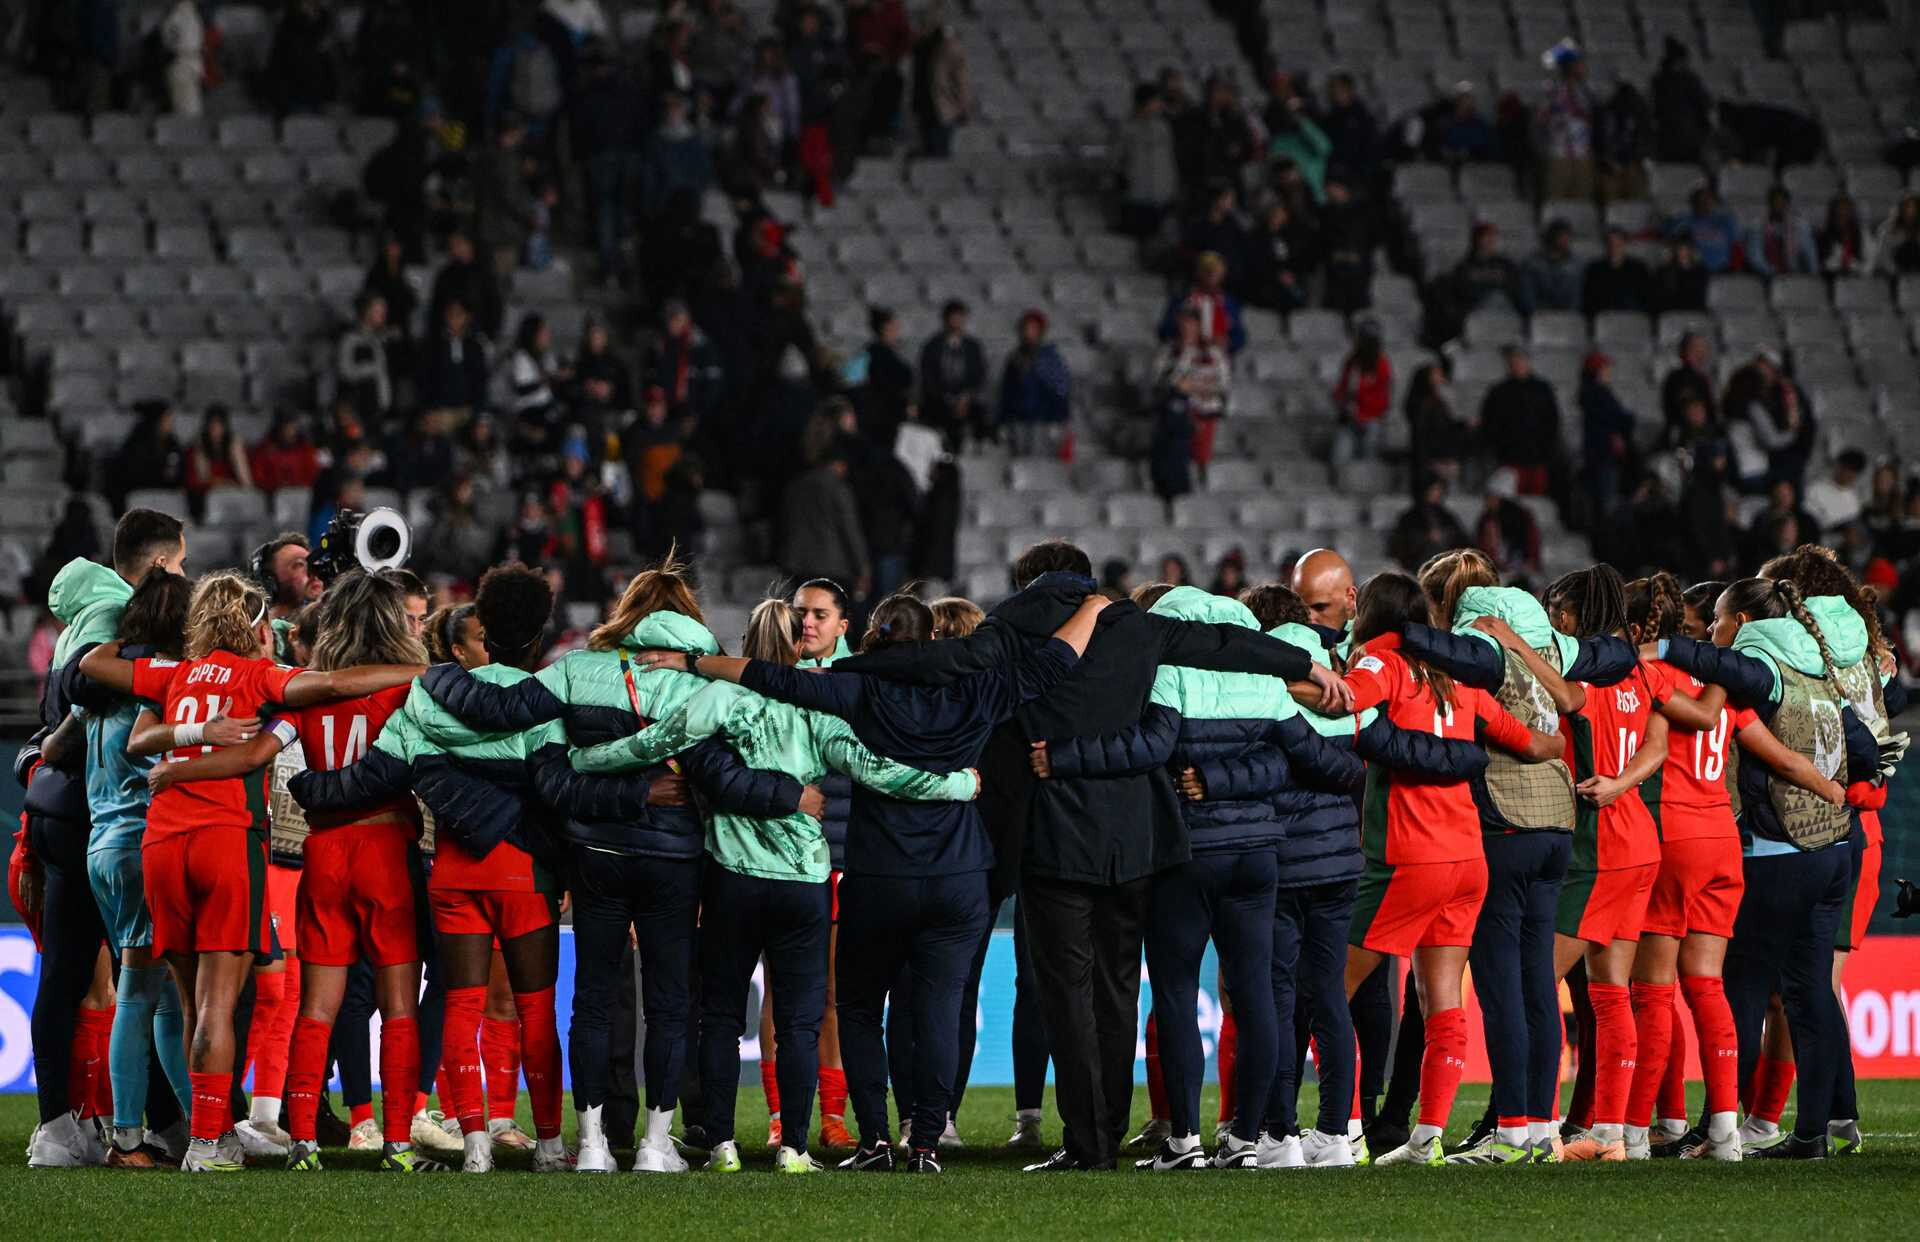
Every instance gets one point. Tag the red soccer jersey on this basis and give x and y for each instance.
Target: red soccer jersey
(334, 735)
(194, 692)
(1618, 715)
(1693, 801)
(1423, 821)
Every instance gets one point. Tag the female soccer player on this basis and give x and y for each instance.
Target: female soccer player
(1426, 873)
(204, 867)
(916, 887)
(1771, 653)
(766, 882)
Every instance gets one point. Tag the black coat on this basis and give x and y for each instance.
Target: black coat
(1093, 830)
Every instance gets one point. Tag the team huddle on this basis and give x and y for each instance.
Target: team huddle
(1663, 797)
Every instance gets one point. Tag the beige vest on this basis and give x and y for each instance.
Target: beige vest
(1530, 795)
(1808, 721)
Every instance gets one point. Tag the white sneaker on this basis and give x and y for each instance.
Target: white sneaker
(429, 1133)
(950, 1137)
(1236, 1153)
(1026, 1133)
(549, 1155)
(258, 1141)
(790, 1161)
(1710, 1148)
(1755, 1134)
(1175, 1154)
(56, 1145)
(1321, 1150)
(725, 1157)
(365, 1136)
(1429, 1152)
(172, 1140)
(478, 1151)
(1282, 1153)
(595, 1156)
(658, 1158)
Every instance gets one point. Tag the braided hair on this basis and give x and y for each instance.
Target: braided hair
(1596, 596)
(1816, 571)
(1796, 604)
(1655, 607)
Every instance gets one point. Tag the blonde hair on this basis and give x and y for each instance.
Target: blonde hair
(663, 588)
(363, 620)
(225, 609)
(955, 616)
(1447, 576)
(773, 633)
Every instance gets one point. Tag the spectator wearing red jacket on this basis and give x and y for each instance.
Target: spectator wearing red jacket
(1361, 397)
(286, 457)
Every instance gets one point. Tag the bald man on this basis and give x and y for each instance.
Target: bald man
(1324, 581)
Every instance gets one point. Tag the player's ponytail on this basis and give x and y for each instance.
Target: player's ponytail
(1595, 596)
(773, 633)
(363, 620)
(1446, 577)
(1655, 607)
(664, 588)
(225, 615)
(899, 618)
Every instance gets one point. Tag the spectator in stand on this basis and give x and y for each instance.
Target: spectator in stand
(759, 159)
(1349, 125)
(685, 365)
(1835, 500)
(602, 384)
(533, 372)
(300, 68)
(1463, 134)
(889, 506)
(1520, 424)
(530, 540)
(1219, 229)
(1297, 138)
(1485, 277)
(216, 460)
(151, 456)
(285, 456)
(1884, 505)
(1770, 424)
(1361, 397)
(1690, 380)
(1506, 531)
(669, 67)
(1896, 243)
(453, 366)
(818, 59)
(387, 280)
(472, 284)
(1682, 107)
(768, 75)
(1145, 161)
(482, 457)
(1782, 243)
(1712, 230)
(1216, 140)
(718, 45)
(1436, 430)
(1220, 323)
(1564, 127)
(880, 379)
(581, 19)
(653, 444)
(820, 526)
(1191, 383)
(1550, 278)
(1777, 529)
(677, 158)
(1622, 144)
(1680, 282)
(420, 458)
(1617, 281)
(1346, 244)
(953, 378)
(881, 36)
(1035, 390)
(501, 219)
(1281, 257)
(1606, 436)
(607, 107)
(1843, 248)
(183, 37)
(361, 367)
(1427, 527)
(1174, 571)
(942, 95)
(1230, 574)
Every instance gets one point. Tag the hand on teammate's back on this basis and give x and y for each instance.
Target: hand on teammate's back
(667, 791)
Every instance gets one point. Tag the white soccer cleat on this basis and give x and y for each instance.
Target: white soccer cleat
(549, 1155)
(659, 1157)
(1429, 1153)
(93, 1140)
(1728, 1149)
(725, 1157)
(477, 1149)
(259, 1143)
(429, 1133)
(1755, 1134)
(56, 1144)
(1321, 1150)
(365, 1136)
(1639, 1145)
(1280, 1153)
(790, 1161)
(217, 1157)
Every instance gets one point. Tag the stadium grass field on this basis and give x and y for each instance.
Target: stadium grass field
(984, 1195)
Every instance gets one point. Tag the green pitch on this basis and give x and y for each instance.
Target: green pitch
(984, 1195)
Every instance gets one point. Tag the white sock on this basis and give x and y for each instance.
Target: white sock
(1424, 1133)
(1675, 1127)
(1513, 1136)
(554, 1146)
(1539, 1131)
(591, 1128)
(1028, 1114)
(266, 1110)
(126, 1138)
(1766, 1129)
(1635, 1135)
(1354, 1129)
(659, 1124)
(397, 1148)
(1722, 1126)
(1609, 1132)
(1839, 1124)
(1183, 1143)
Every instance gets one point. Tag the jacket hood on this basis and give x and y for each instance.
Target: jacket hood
(1846, 632)
(672, 631)
(1521, 611)
(1045, 604)
(1781, 641)
(1185, 603)
(88, 597)
(1312, 640)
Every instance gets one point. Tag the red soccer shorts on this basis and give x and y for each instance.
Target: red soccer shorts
(1697, 889)
(207, 891)
(1601, 907)
(491, 912)
(360, 897)
(283, 902)
(1418, 905)
(1858, 912)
